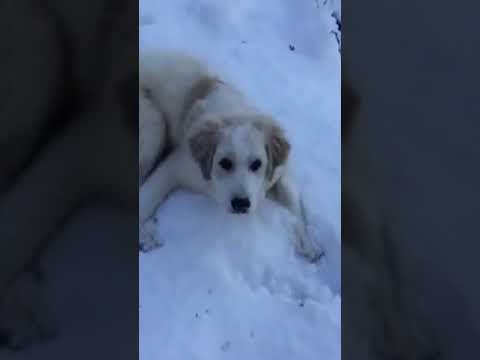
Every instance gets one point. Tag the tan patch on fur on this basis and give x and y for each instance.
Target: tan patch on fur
(277, 148)
(203, 145)
(200, 90)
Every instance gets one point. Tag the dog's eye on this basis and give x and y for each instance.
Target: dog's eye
(254, 166)
(226, 164)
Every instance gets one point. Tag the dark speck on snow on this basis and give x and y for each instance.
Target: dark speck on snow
(226, 346)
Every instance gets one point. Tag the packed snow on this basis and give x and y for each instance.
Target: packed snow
(231, 287)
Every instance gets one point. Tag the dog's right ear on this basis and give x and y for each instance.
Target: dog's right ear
(203, 145)
(277, 148)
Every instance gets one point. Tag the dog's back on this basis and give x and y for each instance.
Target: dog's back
(167, 78)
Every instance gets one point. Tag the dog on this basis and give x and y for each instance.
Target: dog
(76, 84)
(218, 144)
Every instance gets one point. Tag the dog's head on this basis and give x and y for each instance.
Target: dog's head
(241, 156)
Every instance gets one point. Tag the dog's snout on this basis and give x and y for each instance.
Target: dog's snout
(240, 204)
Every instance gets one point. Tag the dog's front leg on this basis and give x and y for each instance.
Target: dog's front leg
(161, 182)
(65, 173)
(285, 193)
(43, 195)
(158, 185)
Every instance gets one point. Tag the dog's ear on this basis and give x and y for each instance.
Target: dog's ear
(203, 145)
(277, 148)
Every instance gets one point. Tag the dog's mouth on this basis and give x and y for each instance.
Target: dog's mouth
(239, 211)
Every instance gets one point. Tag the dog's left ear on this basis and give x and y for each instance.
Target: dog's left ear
(203, 145)
(278, 149)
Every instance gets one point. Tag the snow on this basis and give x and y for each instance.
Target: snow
(231, 287)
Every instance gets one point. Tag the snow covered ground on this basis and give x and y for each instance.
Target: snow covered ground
(230, 287)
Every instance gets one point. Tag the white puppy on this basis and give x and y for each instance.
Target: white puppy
(151, 136)
(220, 144)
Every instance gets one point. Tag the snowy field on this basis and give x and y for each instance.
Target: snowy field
(230, 287)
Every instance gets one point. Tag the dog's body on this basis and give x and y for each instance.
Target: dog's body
(220, 144)
(68, 126)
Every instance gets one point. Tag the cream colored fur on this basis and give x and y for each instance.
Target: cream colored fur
(205, 119)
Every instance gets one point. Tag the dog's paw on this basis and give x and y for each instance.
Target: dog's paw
(24, 317)
(312, 253)
(148, 238)
(306, 247)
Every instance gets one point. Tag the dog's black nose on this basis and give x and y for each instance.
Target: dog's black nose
(240, 205)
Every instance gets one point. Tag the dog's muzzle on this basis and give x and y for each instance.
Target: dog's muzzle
(240, 205)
